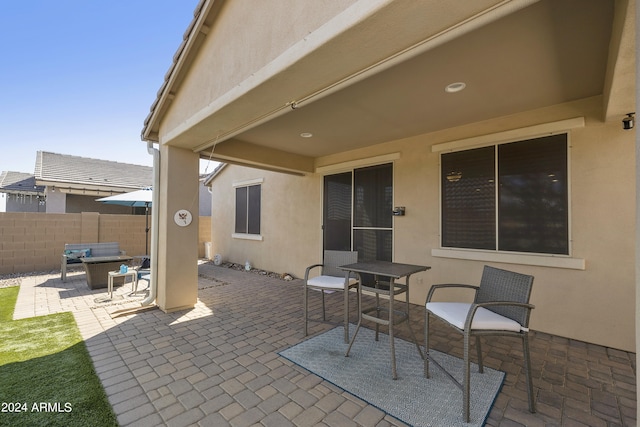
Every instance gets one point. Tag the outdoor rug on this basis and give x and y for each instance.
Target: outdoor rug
(412, 398)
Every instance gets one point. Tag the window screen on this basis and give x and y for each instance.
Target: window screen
(373, 196)
(253, 209)
(248, 210)
(337, 212)
(468, 199)
(241, 210)
(533, 209)
(526, 212)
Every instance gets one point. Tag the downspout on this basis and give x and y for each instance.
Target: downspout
(155, 224)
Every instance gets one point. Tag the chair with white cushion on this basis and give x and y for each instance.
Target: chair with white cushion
(331, 279)
(501, 308)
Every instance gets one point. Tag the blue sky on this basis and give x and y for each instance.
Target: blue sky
(79, 76)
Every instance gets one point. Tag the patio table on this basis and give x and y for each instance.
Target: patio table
(390, 271)
(97, 269)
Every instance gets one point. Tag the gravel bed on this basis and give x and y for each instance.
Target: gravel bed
(15, 279)
(240, 267)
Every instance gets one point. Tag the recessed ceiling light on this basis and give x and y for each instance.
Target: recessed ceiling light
(306, 134)
(455, 87)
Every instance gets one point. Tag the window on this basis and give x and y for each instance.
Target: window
(248, 209)
(528, 211)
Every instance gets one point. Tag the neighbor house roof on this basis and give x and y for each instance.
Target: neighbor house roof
(208, 180)
(19, 183)
(74, 174)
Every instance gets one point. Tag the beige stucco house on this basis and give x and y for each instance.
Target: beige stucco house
(495, 124)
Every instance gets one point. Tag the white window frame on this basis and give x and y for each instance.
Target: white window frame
(248, 183)
(544, 260)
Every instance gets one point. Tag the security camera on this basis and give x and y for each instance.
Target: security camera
(628, 122)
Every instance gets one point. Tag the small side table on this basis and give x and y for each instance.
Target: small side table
(112, 274)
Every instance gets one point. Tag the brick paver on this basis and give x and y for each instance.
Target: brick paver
(217, 364)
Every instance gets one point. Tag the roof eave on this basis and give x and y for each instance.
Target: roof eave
(26, 193)
(192, 40)
(619, 88)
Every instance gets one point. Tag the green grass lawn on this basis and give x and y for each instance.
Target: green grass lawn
(8, 298)
(46, 374)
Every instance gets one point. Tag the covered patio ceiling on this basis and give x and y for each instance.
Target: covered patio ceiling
(385, 78)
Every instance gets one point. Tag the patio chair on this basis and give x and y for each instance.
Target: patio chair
(142, 264)
(501, 308)
(331, 279)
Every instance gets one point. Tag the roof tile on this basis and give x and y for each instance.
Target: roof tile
(19, 182)
(63, 168)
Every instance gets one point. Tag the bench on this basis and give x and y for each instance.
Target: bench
(74, 252)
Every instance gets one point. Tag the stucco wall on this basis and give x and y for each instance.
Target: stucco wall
(596, 304)
(242, 26)
(56, 201)
(77, 203)
(290, 221)
(204, 201)
(19, 203)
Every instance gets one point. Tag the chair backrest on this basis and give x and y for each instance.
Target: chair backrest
(97, 249)
(334, 259)
(504, 285)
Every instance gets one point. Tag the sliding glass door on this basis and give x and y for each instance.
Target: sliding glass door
(357, 212)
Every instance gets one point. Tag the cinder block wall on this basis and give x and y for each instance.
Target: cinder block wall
(35, 241)
(128, 230)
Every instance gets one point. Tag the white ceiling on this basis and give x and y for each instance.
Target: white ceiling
(514, 56)
(548, 53)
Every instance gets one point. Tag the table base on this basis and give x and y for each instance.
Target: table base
(387, 321)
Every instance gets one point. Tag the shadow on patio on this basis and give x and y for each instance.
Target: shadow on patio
(218, 364)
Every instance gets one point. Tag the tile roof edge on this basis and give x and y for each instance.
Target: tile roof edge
(75, 156)
(209, 179)
(183, 49)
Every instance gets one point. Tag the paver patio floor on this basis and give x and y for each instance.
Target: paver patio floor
(217, 364)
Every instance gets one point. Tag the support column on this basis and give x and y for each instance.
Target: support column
(177, 278)
(637, 41)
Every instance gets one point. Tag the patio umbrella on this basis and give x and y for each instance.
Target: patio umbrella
(137, 199)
